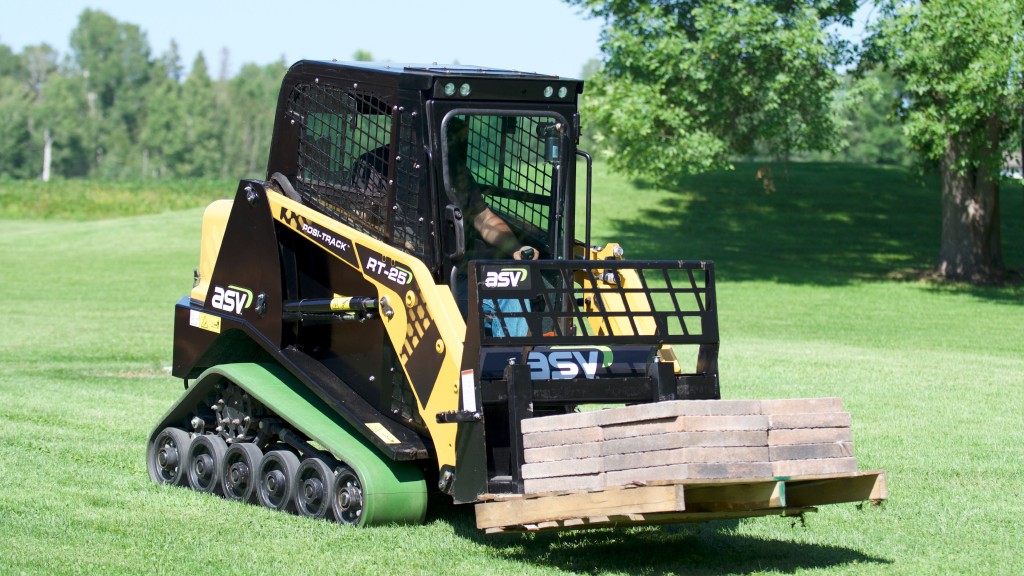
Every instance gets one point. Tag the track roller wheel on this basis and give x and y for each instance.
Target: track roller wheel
(347, 503)
(165, 457)
(277, 471)
(206, 462)
(241, 463)
(314, 488)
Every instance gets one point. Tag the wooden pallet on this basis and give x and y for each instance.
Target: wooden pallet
(676, 501)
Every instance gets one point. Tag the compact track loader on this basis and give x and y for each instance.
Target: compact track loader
(405, 292)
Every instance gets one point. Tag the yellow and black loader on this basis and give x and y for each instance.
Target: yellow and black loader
(352, 341)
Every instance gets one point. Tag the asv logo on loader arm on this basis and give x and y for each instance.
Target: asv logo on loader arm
(565, 364)
(232, 299)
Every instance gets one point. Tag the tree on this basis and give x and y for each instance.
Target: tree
(15, 111)
(686, 84)
(590, 68)
(41, 107)
(867, 102)
(40, 64)
(162, 137)
(871, 137)
(168, 65)
(10, 63)
(587, 134)
(15, 139)
(108, 110)
(203, 123)
(252, 95)
(62, 107)
(961, 64)
(114, 60)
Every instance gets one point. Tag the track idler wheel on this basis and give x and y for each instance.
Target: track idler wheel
(314, 488)
(166, 456)
(241, 465)
(347, 503)
(205, 463)
(277, 472)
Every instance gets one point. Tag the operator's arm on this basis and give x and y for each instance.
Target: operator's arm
(497, 233)
(492, 228)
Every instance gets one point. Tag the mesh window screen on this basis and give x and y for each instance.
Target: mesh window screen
(506, 157)
(345, 163)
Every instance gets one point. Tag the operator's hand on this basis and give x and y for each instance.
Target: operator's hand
(526, 253)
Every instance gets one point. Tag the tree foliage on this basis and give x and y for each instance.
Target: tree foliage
(687, 84)
(869, 133)
(15, 139)
(960, 63)
(871, 136)
(110, 109)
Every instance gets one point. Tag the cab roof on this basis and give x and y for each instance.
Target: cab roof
(495, 83)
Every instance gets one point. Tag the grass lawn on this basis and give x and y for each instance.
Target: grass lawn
(808, 306)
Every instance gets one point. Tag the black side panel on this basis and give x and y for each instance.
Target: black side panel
(246, 286)
(406, 443)
(196, 349)
(247, 280)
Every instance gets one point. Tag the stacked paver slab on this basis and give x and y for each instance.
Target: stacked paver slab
(687, 440)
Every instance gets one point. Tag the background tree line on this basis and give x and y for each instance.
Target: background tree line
(111, 109)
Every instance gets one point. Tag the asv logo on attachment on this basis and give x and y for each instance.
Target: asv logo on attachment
(566, 363)
(506, 278)
(232, 299)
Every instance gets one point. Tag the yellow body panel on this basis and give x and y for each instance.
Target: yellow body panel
(637, 302)
(215, 220)
(414, 311)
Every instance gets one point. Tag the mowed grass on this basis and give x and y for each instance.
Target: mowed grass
(934, 378)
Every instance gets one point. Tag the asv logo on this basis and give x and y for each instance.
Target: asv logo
(566, 364)
(505, 278)
(232, 299)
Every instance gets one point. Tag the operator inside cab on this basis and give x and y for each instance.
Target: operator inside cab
(464, 190)
(487, 237)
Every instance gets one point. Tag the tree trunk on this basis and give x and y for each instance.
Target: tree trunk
(47, 154)
(971, 247)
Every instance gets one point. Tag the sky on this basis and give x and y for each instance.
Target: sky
(544, 36)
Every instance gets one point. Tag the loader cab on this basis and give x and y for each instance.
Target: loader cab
(503, 163)
(503, 142)
(408, 154)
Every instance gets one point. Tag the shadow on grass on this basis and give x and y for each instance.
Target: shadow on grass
(1012, 292)
(827, 224)
(704, 548)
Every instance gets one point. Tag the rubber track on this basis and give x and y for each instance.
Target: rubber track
(393, 492)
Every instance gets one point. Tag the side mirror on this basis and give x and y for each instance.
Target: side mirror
(551, 133)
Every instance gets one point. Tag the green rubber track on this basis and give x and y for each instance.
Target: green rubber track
(393, 492)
